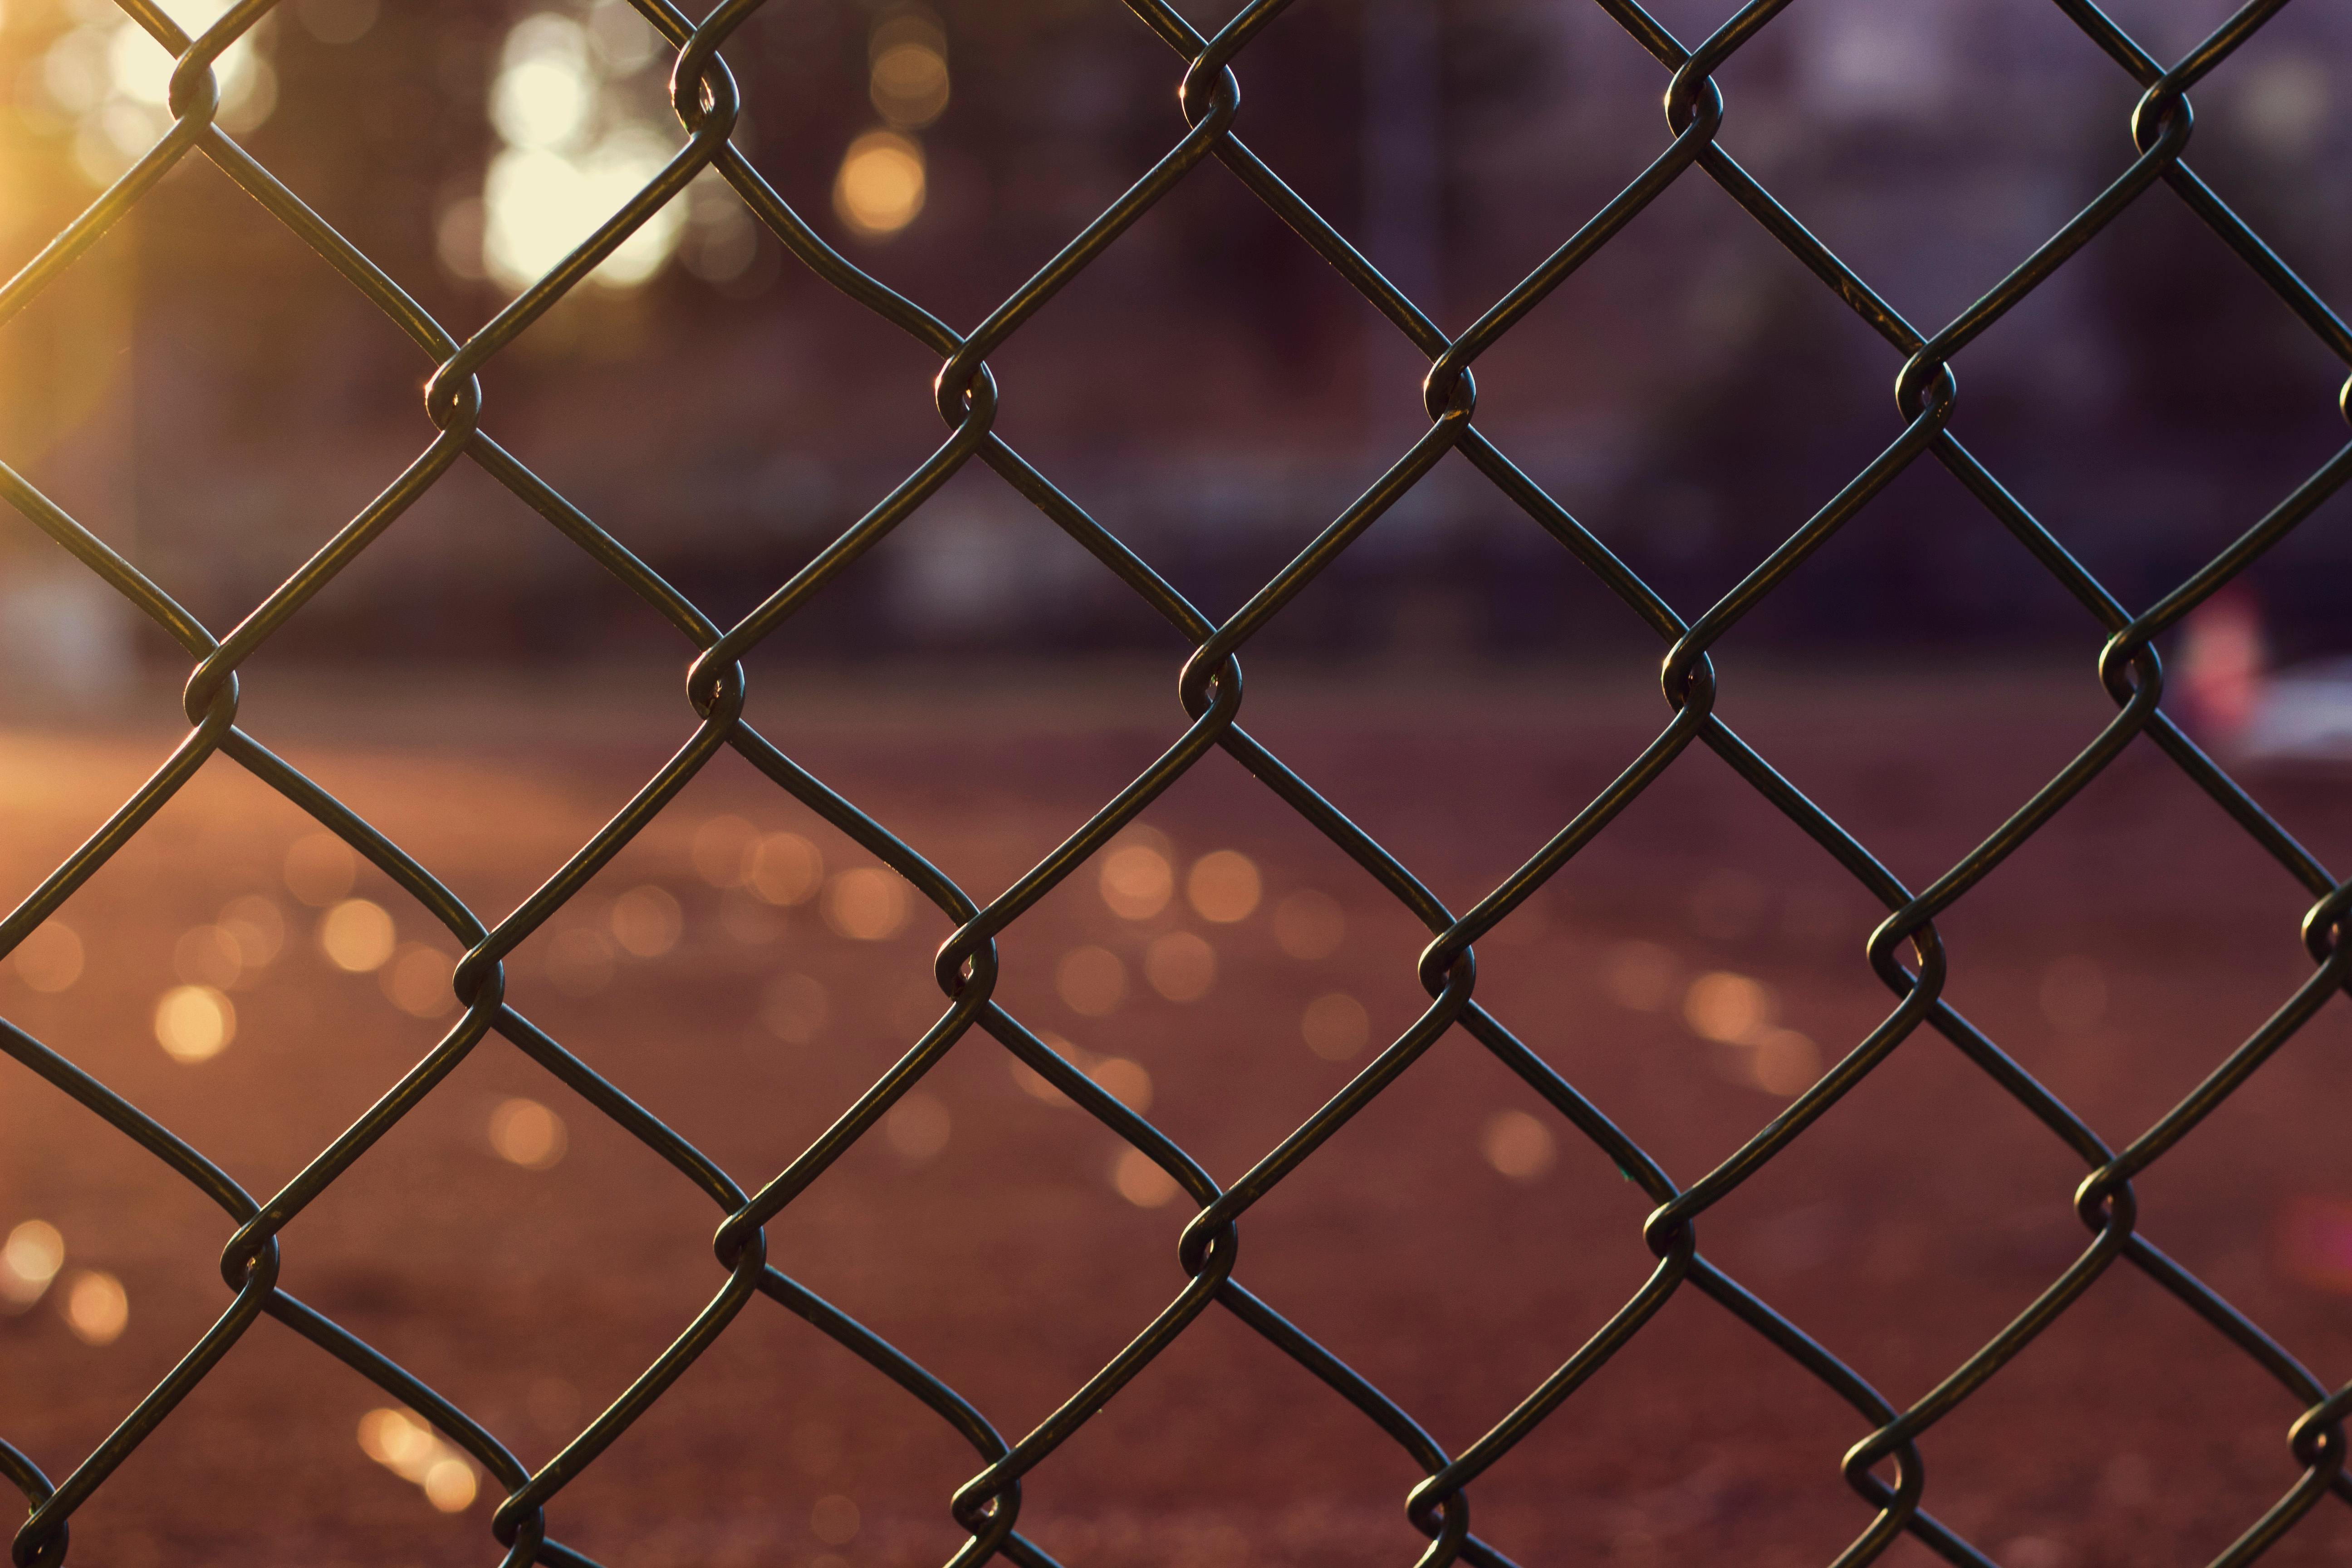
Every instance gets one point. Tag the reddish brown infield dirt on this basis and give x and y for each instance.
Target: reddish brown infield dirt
(1903, 1230)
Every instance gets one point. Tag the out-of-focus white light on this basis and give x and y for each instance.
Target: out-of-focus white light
(572, 157)
(139, 70)
(540, 205)
(624, 40)
(544, 102)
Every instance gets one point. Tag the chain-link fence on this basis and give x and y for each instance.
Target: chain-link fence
(1884, 1469)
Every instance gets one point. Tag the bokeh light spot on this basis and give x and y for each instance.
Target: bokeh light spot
(918, 1126)
(525, 1132)
(1128, 1082)
(357, 936)
(834, 1521)
(1137, 881)
(866, 903)
(795, 1008)
(1517, 1145)
(194, 1022)
(417, 981)
(50, 957)
(1732, 1009)
(321, 868)
(1335, 1027)
(1223, 887)
(1180, 966)
(1136, 1177)
(29, 1261)
(1640, 975)
(783, 869)
(1309, 925)
(881, 188)
(647, 921)
(721, 850)
(1091, 981)
(97, 1307)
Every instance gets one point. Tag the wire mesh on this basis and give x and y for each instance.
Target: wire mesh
(1884, 1469)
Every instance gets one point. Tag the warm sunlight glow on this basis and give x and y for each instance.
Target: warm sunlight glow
(575, 152)
(257, 926)
(111, 80)
(545, 92)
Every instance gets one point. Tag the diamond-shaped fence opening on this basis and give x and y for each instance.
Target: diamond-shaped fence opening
(1000, 1010)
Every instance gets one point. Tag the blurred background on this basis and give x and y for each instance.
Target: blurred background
(213, 400)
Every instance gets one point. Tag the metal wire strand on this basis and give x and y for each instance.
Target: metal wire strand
(1906, 953)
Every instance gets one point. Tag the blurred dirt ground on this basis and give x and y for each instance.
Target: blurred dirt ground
(2120, 956)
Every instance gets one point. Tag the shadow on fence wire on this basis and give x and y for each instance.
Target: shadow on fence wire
(1884, 1469)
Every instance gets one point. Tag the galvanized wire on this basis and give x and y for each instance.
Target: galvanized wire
(1883, 1467)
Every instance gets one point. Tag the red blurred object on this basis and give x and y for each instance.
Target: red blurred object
(2222, 662)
